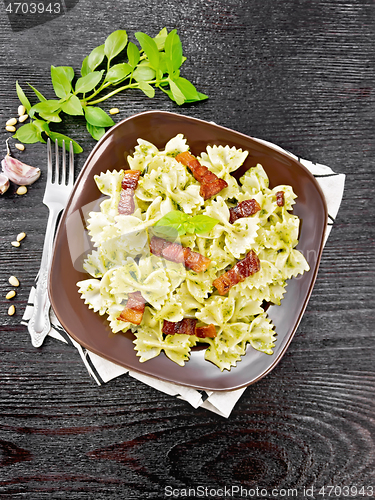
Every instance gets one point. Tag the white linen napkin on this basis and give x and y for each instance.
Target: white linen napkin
(220, 402)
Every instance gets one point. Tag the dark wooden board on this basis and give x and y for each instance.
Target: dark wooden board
(299, 74)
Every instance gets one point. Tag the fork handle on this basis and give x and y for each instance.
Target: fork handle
(39, 324)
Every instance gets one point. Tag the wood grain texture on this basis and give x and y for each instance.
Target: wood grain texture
(297, 73)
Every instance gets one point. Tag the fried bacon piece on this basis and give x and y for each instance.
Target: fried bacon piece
(134, 309)
(157, 245)
(174, 252)
(280, 200)
(166, 249)
(177, 253)
(243, 209)
(130, 180)
(206, 331)
(239, 272)
(196, 261)
(128, 185)
(188, 326)
(211, 184)
(185, 327)
(126, 204)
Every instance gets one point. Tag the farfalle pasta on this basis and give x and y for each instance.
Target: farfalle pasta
(122, 264)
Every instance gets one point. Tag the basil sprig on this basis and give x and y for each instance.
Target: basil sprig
(116, 65)
(178, 223)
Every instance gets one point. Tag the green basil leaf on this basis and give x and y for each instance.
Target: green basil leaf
(95, 57)
(163, 63)
(85, 69)
(60, 138)
(47, 106)
(174, 220)
(203, 223)
(160, 38)
(72, 106)
(133, 54)
(184, 223)
(147, 89)
(51, 117)
(187, 88)
(98, 117)
(68, 71)
(88, 82)
(190, 92)
(166, 232)
(173, 51)
(22, 97)
(178, 96)
(118, 72)
(115, 43)
(143, 73)
(189, 228)
(149, 47)
(37, 93)
(41, 125)
(28, 134)
(159, 74)
(201, 96)
(95, 132)
(61, 83)
(172, 217)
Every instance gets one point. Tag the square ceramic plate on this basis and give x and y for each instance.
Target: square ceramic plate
(72, 244)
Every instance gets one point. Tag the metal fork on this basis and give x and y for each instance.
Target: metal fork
(55, 198)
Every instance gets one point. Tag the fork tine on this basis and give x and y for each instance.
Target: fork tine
(49, 161)
(63, 173)
(56, 161)
(71, 164)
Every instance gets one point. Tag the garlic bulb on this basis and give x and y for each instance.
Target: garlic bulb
(19, 172)
(4, 183)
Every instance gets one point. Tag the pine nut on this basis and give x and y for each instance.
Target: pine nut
(114, 111)
(21, 110)
(11, 310)
(21, 236)
(20, 147)
(23, 118)
(10, 295)
(22, 190)
(10, 128)
(15, 243)
(14, 281)
(11, 121)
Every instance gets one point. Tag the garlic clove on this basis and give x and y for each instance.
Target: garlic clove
(4, 183)
(19, 172)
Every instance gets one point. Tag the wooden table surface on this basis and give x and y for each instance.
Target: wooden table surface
(300, 74)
